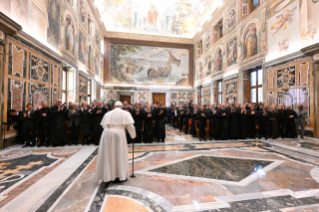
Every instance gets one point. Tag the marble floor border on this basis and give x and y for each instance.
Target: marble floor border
(4, 194)
(141, 157)
(243, 182)
(49, 202)
(299, 207)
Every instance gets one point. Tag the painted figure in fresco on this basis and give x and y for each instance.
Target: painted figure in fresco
(308, 36)
(152, 15)
(231, 18)
(90, 59)
(207, 40)
(218, 60)
(250, 45)
(82, 11)
(232, 53)
(284, 18)
(123, 14)
(69, 35)
(97, 65)
(208, 65)
(82, 49)
(53, 33)
(97, 37)
(283, 45)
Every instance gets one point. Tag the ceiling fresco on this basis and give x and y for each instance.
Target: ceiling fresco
(181, 18)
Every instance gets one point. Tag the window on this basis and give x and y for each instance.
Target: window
(254, 4)
(218, 30)
(64, 85)
(256, 86)
(220, 92)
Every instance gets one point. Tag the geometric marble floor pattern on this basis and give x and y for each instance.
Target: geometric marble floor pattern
(183, 174)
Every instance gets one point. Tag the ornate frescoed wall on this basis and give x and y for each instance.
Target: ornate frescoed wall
(134, 64)
(206, 95)
(231, 91)
(30, 77)
(291, 84)
(180, 97)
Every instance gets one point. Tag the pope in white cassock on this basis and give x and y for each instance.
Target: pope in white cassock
(112, 162)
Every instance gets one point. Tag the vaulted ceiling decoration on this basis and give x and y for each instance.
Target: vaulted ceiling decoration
(180, 18)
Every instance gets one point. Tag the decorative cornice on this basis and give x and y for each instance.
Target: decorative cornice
(254, 64)
(156, 38)
(285, 60)
(37, 46)
(234, 76)
(311, 50)
(8, 26)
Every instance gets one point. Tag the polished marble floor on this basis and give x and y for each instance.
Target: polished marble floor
(181, 175)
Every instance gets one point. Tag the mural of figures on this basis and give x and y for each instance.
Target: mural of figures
(284, 31)
(101, 67)
(97, 64)
(231, 19)
(37, 94)
(97, 37)
(16, 95)
(207, 39)
(39, 69)
(206, 95)
(148, 65)
(53, 34)
(208, 66)
(90, 59)
(82, 11)
(82, 44)
(17, 61)
(69, 35)
(218, 60)
(286, 77)
(232, 52)
(83, 85)
(199, 70)
(251, 42)
(175, 17)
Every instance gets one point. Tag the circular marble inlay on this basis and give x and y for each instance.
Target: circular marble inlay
(16, 153)
(61, 152)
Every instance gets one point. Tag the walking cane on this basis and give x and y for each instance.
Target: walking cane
(133, 175)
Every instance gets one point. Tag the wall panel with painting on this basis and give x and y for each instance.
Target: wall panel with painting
(32, 75)
(85, 89)
(231, 91)
(291, 84)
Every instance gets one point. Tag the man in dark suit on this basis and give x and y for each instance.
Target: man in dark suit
(43, 123)
(74, 123)
(98, 114)
(264, 123)
(29, 126)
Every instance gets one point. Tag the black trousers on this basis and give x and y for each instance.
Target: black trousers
(97, 134)
(213, 131)
(74, 133)
(43, 135)
(202, 131)
(175, 122)
(138, 138)
(29, 137)
(263, 130)
(281, 129)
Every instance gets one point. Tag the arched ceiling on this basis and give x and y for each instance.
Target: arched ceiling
(178, 18)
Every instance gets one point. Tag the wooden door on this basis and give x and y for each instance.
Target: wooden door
(159, 97)
(124, 98)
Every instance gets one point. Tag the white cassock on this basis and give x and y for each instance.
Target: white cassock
(112, 159)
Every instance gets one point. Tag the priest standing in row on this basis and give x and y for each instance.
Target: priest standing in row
(112, 163)
(58, 134)
(98, 114)
(160, 120)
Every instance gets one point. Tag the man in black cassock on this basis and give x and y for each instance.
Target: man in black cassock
(186, 118)
(243, 122)
(223, 124)
(98, 114)
(181, 114)
(273, 122)
(160, 116)
(29, 126)
(194, 118)
(264, 123)
(58, 135)
(291, 131)
(233, 122)
(74, 115)
(211, 114)
(137, 114)
(202, 122)
(43, 123)
(128, 109)
(252, 121)
(15, 118)
(174, 115)
(86, 122)
(148, 125)
(281, 120)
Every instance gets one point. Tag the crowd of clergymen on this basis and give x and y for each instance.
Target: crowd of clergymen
(50, 126)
